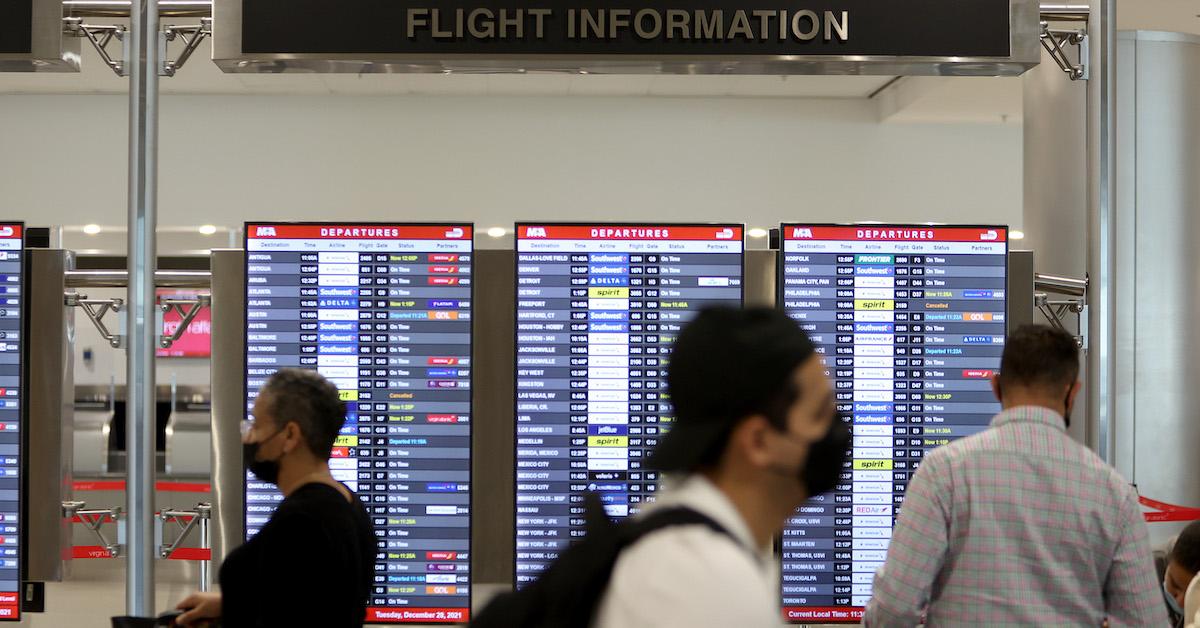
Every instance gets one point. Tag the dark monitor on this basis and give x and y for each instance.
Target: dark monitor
(383, 311)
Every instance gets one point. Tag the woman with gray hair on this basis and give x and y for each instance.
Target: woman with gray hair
(313, 562)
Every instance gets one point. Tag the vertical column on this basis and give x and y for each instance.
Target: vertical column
(11, 300)
(141, 341)
(551, 369)
(810, 289)
(876, 342)
(609, 407)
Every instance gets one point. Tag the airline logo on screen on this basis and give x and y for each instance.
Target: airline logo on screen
(264, 232)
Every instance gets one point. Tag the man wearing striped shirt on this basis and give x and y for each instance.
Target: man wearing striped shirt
(1020, 525)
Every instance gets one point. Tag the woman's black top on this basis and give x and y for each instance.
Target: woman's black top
(312, 564)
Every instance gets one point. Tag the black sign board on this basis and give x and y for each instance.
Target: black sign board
(32, 40)
(16, 26)
(930, 28)
(983, 37)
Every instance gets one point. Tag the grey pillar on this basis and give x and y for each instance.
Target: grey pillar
(1157, 287)
(142, 331)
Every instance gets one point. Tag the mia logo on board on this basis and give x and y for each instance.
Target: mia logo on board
(265, 232)
(535, 232)
(802, 233)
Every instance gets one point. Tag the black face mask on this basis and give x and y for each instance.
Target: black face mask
(825, 459)
(265, 470)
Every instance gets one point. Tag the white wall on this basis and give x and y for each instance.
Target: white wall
(225, 159)
(494, 160)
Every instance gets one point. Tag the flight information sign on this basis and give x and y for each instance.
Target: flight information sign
(384, 312)
(12, 303)
(598, 307)
(910, 324)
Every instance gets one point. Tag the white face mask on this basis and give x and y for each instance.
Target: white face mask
(1172, 603)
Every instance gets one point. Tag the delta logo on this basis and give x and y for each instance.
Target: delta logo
(264, 232)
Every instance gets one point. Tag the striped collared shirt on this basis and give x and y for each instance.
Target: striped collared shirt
(1018, 525)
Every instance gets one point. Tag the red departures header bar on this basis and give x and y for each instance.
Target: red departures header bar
(892, 233)
(717, 233)
(359, 232)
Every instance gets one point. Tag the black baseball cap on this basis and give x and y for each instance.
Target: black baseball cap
(726, 365)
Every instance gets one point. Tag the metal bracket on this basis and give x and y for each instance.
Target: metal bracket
(95, 310)
(100, 36)
(1076, 291)
(186, 520)
(103, 35)
(191, 37)
(186, 316)
(1056, 41)
(94, 520)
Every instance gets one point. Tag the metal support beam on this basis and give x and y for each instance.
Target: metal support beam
(1069, 286)
(1101, 152)
(1065, 12)
(143, 68)
(120, 278)
(121, 8)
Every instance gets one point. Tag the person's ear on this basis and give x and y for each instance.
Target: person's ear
(291, 437)
(751, 441)
(1072, 393)
(996, 388)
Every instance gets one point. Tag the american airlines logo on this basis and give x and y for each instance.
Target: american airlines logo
(264, 232)
(801, 232)
(535, 232)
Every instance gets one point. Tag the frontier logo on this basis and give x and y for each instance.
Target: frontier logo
(264, 232)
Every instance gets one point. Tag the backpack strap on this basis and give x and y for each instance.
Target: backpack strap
(633, 531)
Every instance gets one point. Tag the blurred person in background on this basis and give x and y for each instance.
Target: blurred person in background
(313, 562)
(1020, 525)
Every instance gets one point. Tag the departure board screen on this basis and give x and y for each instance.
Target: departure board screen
(12, 342)
(383, 311)
(910, 324)
(598, 307)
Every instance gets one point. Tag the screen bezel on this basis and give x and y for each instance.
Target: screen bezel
(516, 278)
(470, 350)
(779, 299)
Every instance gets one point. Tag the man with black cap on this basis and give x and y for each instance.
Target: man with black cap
(755, 434)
